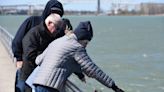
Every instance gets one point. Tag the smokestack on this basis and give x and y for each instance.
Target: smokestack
(98, 6)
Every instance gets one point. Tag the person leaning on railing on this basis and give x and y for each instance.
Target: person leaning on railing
(52, 6)
(65, 56)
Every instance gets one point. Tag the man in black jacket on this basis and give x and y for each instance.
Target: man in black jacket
(52, 6)
(35, 42)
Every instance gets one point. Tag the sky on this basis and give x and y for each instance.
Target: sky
(78, 4)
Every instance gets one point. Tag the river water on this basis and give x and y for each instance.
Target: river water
(128, 48)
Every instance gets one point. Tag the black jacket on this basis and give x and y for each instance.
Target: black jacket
(30, 23)
(34, 43)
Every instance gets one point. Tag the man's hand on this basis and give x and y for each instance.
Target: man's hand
(19, 64)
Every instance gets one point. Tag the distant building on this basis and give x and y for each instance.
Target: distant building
(152, 8)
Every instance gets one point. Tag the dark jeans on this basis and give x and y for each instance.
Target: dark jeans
(20, 85)
(39, 88)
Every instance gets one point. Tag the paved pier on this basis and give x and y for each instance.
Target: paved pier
(7, 71)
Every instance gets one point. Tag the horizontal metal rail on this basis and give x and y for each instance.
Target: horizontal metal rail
(6, 39)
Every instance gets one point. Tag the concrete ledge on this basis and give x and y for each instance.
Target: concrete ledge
(7, 71)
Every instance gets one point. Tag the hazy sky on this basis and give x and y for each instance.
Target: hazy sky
(78, 4)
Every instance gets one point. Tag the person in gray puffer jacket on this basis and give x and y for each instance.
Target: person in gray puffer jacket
(65, 56)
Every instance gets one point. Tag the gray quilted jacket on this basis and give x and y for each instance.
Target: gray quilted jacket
(63, 57)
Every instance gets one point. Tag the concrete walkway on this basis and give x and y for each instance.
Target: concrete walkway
(7, 71)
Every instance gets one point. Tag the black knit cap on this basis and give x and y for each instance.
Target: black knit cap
(84, 31)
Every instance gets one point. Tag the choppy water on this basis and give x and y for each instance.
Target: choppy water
(128, 48)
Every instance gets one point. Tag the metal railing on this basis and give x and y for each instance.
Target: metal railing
(6, 39)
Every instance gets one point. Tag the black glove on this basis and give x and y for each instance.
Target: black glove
(119, 90)
(116, 89)
(80, 75)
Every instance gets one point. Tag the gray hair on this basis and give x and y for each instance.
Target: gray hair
(54, 18)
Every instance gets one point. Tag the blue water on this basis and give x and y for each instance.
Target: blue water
(128, 48)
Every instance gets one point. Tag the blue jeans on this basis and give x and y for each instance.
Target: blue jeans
(39, 88)
(19, 84)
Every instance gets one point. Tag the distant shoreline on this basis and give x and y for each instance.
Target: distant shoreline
(137, 15)
(87, 15)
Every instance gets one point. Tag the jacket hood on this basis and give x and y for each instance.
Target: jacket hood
(52, 6)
